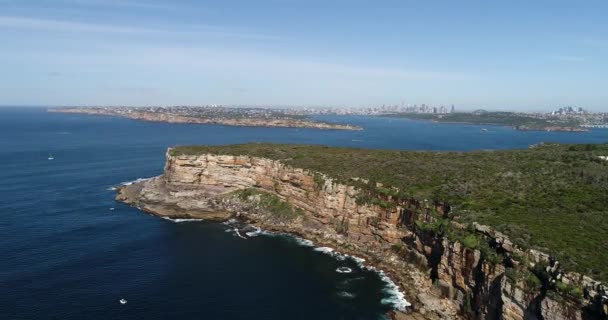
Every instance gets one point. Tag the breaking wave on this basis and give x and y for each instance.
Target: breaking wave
(177, 220)
(127, 183)
(236, 231)
(326, 250)
(396, 297)
(393, 296)
(255, 233)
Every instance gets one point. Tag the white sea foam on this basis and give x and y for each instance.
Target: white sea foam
(360, 261)
(345, 294)
(344, 270)
(135, 181)
(304, 242)
(396, 298)
(255, 233)
(127, 183)
(236, 231)
(182, 220)
(229, 222)
(326, 250)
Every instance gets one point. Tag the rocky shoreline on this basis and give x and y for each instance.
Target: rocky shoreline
(232, 209)
(227, 121)
(442, 278)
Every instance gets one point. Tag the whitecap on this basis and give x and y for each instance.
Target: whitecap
(344, 270)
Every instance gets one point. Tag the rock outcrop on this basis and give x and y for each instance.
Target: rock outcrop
(443, 276)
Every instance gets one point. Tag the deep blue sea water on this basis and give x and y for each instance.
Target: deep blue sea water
(65, 255)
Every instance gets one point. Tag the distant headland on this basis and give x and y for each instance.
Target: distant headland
(229, 116)
(563, 119)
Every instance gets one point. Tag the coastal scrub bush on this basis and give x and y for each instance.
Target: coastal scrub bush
(470, 242)
(319, 181)
(269, 202)
(569, 290)
(533, 283)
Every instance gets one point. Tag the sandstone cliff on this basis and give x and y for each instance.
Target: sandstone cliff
(443, 276)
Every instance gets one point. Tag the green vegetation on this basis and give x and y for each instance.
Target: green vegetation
(569, 290)
(319, 181)
(471, 241)
(269, 202)
(512, 119)
(553, 197)
(533, 283)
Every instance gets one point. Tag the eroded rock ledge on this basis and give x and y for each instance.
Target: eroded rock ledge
(442, 277)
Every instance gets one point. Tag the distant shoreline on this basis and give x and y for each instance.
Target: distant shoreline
(277, 122)
(522, 127)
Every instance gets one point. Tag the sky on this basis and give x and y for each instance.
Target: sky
(497, 55)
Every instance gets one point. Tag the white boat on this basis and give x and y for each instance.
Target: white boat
(51, 157)
(123, 301)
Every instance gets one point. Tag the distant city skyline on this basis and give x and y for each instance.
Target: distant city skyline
(517, 55)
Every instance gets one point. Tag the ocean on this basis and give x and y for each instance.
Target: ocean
(69, 251)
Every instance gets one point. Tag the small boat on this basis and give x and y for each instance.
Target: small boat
(484, 130)
(51, 157)
(123, 301)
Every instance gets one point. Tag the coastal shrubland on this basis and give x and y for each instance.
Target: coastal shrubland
(269, 203)
(552, 197)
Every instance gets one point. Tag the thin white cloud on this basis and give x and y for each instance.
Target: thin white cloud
(221, 61)
(57, 25)
(122, 4)
(40, 24)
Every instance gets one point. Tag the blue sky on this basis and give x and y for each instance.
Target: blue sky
(520, 55)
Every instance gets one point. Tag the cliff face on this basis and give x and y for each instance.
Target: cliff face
(443, 278)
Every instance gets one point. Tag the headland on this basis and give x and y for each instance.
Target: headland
(465, 235)
(249, 117)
